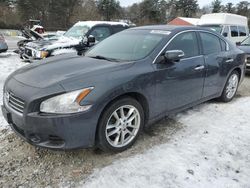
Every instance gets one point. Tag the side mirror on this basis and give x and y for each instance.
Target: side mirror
(91, 40)
(238, 43)
(174, 55)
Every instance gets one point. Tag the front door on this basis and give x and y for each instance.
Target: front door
(180, 83)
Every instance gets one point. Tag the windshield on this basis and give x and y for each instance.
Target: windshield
(217, 28)
(246, 42)
(127, 46)
(77, 31)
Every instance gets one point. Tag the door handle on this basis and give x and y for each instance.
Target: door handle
(199, 67)
(229, 60)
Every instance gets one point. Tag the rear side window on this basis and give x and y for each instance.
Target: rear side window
(118, 28)
(100, 33)
(242, 31)
(187, 42)
(211, 43)
(234, 31)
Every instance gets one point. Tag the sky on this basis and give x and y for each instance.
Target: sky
(201, 2)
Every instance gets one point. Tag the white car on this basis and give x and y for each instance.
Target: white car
(233, 27)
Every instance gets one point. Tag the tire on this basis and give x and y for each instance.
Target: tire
(127, 126)
(230, 91)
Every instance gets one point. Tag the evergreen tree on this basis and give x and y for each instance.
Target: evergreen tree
(109, 8)
(188, 8)
(243, 8)
(216, 6)
(229, 8)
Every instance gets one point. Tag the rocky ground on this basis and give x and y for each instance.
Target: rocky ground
(24, 165)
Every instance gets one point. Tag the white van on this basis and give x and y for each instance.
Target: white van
(232, 26)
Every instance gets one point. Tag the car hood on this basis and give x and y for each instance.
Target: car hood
(28, 33)
(246, 49)
(50, 44)
(64, 68)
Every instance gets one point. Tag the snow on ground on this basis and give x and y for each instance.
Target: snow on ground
(213, 150)
(9, 62)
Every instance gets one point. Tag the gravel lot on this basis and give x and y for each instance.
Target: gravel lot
(23, 165)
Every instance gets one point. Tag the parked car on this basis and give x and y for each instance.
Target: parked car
(233, 27)
(245, 46)
(78, 38)
(121, 86)
(3, 44)
(30, 36)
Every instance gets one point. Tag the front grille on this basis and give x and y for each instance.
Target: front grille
(28, 52)
(15, 103)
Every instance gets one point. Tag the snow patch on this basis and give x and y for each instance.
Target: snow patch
(93, 23)
(211, 151)
(64, 51)
(9, 62)
(63, 42)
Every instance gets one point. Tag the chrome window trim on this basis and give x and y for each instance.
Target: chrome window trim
(227, 45)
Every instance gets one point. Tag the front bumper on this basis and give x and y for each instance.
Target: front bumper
(27, 54)
(54, 131)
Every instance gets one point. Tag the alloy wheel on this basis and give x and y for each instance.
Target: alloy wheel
(232, 86)
(123, 126)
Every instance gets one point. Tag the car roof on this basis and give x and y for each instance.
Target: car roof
(94, 23)
(171, 28)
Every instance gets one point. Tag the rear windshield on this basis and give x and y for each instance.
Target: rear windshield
(217, 28)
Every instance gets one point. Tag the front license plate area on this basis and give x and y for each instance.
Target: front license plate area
(7, 115)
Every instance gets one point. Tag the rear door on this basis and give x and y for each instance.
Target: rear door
(215, 55)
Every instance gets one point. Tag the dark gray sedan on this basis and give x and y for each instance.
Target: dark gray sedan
(122, 85)
(3, 44)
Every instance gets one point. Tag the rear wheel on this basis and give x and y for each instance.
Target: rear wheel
(120, 125)
(231, 87)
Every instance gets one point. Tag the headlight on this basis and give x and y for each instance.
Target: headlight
(41, 54)
(66, 103)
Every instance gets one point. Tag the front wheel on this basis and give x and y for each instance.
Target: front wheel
(120, 125)
(231, 87)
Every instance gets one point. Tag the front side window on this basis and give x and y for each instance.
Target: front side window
(242, 31)
(211, 43)
(127, 45)
(234, 31)
(100, 33)
(187, 42)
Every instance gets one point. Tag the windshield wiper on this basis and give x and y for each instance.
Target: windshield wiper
(104, 58)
